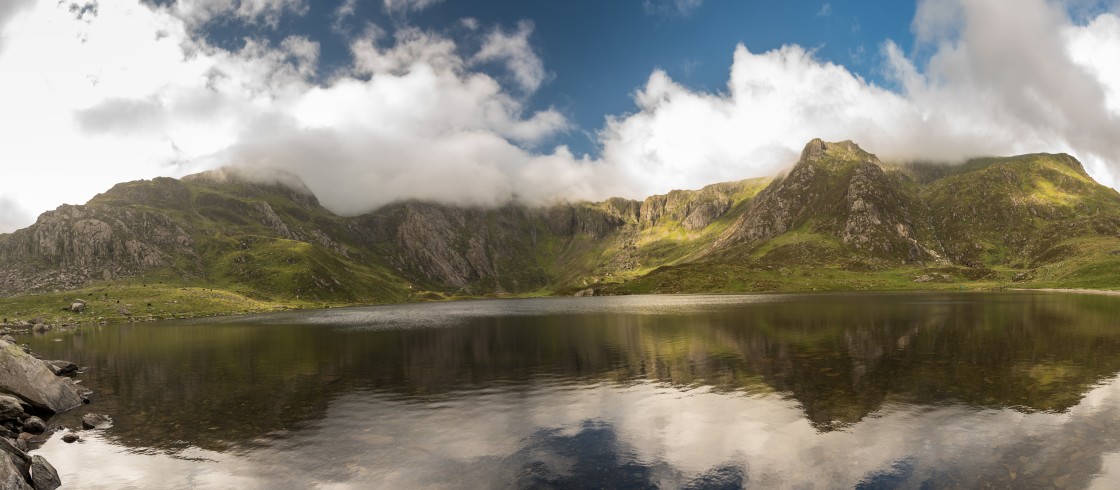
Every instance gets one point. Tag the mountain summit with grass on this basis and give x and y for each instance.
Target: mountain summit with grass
(840, 219)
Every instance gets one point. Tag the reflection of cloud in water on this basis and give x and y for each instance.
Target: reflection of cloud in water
(641, 434)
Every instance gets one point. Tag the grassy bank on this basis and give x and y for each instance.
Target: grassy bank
(118, 303)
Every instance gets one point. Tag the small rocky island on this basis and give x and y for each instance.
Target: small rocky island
(31, 391)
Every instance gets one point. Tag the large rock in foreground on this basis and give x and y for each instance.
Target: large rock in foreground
(29, 378)
(15, 467)
(10, 475)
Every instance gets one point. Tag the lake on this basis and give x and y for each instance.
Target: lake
(879, 390)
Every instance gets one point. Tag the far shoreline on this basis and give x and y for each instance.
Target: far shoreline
(15, 327)
(1100, 292)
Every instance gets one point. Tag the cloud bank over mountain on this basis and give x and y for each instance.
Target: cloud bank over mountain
(97, 93)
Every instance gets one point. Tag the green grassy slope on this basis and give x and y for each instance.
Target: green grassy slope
(218, 243)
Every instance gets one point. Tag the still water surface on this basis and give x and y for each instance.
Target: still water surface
(915, 390)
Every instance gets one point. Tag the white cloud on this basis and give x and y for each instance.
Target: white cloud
(993, 84)
(672, 8)
(398, 7)
(516, 52)
(12, 215)
(269, 12)
(129, 92)
(825, 11)
(344, 12)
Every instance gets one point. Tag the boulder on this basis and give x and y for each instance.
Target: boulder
(9, 339)
(77, 307)
(43, 475)
(70, 438)
(29, 379)
(8, 450)
(34, 425)
(585, 292)
(62, 368)
(11, 476)
(12, 408)
(96, 421)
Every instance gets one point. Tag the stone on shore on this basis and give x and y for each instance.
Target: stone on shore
(29, 379)
(43, 475)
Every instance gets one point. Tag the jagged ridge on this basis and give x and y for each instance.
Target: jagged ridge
(839, 210)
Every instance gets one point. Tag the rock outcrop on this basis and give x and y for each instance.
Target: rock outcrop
(839, 190)
(29, 379)
(693, 210)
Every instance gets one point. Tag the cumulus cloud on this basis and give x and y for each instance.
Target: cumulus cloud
(12, 215)
(125, 91)
(515, 51)
(269, 12)
(399, 7)
(989, 86)
(8, 10)
(132, 92)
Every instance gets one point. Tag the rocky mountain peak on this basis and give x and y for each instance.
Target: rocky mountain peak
(257, 180)
(819, 150)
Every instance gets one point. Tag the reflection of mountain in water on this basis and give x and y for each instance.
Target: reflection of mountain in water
(841, 357)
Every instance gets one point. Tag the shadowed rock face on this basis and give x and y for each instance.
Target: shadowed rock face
(29, 379)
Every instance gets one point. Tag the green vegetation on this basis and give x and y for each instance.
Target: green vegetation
(219, 243)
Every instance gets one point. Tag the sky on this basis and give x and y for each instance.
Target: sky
(480, 103)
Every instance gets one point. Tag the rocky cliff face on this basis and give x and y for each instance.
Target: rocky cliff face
(839, 190)
(273, 237)
(74, 245)
(693, 210)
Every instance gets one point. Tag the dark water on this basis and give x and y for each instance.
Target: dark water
(792, 391)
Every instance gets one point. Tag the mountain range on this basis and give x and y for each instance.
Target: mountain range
(225, 241)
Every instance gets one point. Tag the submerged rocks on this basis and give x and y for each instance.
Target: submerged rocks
(29, 378)
(96, 421)
(62, 368)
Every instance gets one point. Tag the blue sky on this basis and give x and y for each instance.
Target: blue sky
(480, 103)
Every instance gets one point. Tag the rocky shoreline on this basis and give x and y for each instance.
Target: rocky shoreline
(31, 391)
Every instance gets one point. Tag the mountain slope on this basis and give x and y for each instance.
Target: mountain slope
(839, 219)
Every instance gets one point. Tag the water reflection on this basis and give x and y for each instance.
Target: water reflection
(714, 392)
